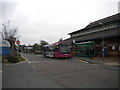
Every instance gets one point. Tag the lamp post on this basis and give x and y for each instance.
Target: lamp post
(103, 41)
(73, 45)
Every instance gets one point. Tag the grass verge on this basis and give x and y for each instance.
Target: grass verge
(15, 59)
(21, 59)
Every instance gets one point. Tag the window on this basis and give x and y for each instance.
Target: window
(114, 47)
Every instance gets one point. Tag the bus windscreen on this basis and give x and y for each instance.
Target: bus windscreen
(65, 49)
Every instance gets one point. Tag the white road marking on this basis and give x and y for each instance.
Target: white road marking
(41, 62)
(33, 67)
(82, 61)
(29, 61)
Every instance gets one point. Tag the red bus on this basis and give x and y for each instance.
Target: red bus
(58, 50)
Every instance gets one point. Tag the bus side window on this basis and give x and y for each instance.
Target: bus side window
(56, 48)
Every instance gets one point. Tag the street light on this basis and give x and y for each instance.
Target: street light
(103, 41)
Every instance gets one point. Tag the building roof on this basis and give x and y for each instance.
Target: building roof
(76, 31)
(100, 22)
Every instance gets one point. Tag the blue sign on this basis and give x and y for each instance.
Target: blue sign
(4, 47)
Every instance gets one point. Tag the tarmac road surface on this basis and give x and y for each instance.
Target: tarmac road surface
(24, 76)
(41, 72)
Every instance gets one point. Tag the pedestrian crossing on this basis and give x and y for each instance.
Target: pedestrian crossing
(40, 61)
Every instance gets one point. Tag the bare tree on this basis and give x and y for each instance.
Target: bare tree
(9, 33)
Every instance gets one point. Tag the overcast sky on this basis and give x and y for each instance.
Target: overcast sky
(51, 20)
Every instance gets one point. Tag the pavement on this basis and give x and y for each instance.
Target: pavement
(98, 61)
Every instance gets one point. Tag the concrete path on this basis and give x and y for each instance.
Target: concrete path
(97, 61)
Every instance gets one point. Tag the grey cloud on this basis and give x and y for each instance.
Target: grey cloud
(7, 9)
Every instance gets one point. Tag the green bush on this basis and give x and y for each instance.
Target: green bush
(13, 59)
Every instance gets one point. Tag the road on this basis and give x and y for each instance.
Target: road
(41, 72)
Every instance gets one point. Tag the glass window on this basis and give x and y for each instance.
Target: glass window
(65, 49)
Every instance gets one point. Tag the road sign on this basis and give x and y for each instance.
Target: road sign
(17, 42)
